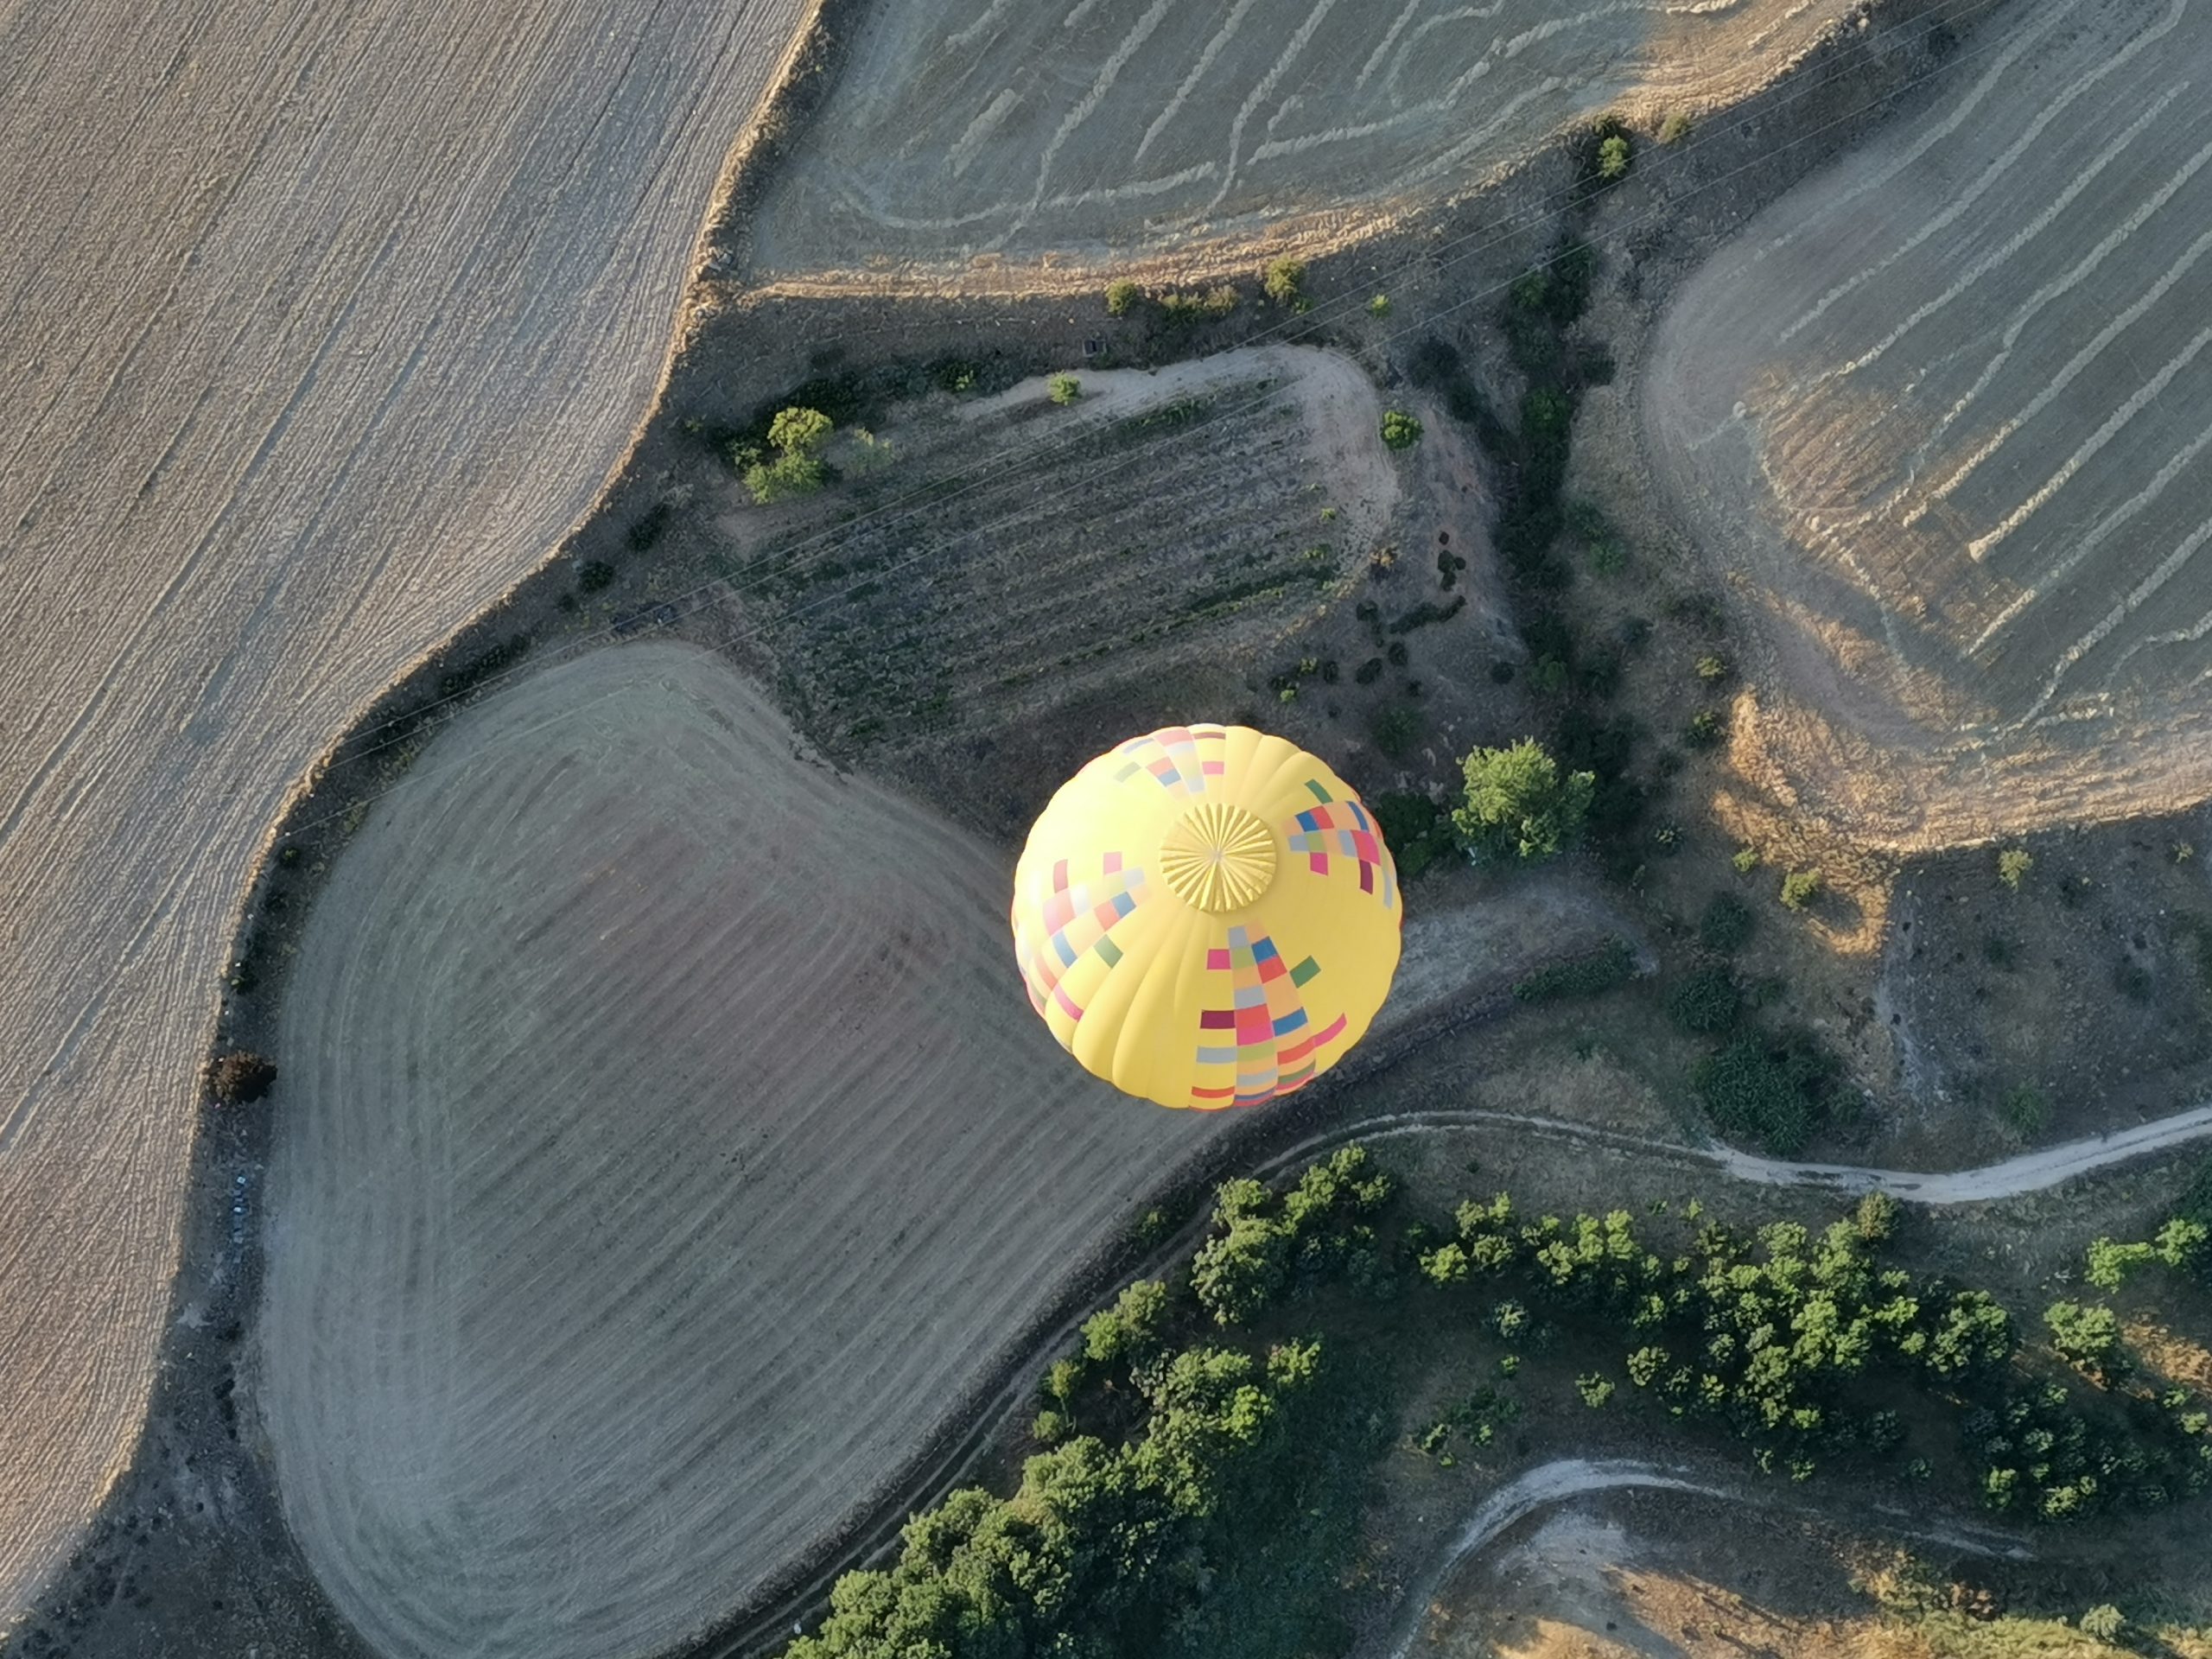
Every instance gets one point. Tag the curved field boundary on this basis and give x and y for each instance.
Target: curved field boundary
(322, 326)
(666, 1142)
(1565, 1479)
(979, 127)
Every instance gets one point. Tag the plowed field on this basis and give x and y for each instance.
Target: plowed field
(667, 1143)
(1942, 414)
(966, 127)
(319, 324)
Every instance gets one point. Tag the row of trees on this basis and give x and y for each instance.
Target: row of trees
(1209, 1454)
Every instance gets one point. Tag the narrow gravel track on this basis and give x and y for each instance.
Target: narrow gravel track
(319, 325)
(2032, 1172)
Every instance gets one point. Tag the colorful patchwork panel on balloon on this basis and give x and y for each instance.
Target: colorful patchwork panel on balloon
(1180, 759)
(1341, 831)
(1262, 1045)
(1077, 918)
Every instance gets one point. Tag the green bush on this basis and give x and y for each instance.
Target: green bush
(1065, 389)
(1707, 1002)
(1131, 1328)
(2085, 1336)
(1591, 976)
(1379, 306)
(1770, 1088)
(797, 436)
(1417, 831)
(1675, 128)
(1800, 888)
(2025, 1107)
(1284, 281)
(1520, 805)
(1745, 860)
(1613, 156)
(1705, 731)
(1727, 925)
(2013, 865)
(1122, 298)
(1400, 430)
(1395, 729)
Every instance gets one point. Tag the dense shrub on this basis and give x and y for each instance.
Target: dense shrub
(1263, 1247)
(1520, 804)
(1727, 924)
(1417, 831)
(1800, 888)
(1770, 1088)
(1395, 730)
(1590, 975)
(1706, 1002)
(1122, 298)
(1284, 281)
(1065, 389)
(1400, 430)
(240, 1078)
(595, 576)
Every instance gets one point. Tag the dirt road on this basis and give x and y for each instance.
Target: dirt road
(2033, 1172)
(319, 325)
(1567, 1479)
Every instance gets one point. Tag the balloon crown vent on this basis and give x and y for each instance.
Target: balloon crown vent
(1218, 857)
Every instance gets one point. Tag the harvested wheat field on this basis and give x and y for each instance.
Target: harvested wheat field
(667, 1144)
(978, 126)
(1942, 414)
(318, 326)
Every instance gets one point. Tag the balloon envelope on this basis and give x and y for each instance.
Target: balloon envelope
(1206, 917)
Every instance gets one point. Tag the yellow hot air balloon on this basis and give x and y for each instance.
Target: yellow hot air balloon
(1206, 917)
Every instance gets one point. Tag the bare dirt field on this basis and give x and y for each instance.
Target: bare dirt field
(667, 1146)
(1106, 126)
(1939, 415)
(319, 326)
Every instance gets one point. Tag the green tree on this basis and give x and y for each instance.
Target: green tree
(797, 436)
(1800, 888)
(1519, 804)
(1133, 1325)
(1066, 390)
(1400, 430)
(2087, 1336)
(1285, 282)
(799, 431)
(1122, 298)
(1613, 156)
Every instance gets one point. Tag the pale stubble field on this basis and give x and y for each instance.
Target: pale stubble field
(1939, 416)
(318, 327)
